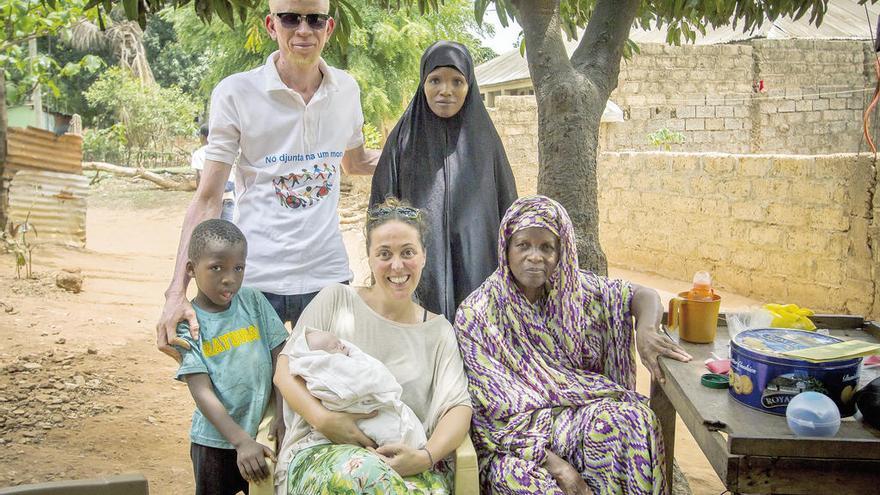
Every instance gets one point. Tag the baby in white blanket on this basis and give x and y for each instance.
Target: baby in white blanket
(346, 379)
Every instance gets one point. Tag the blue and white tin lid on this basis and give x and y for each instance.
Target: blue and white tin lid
(770, 343)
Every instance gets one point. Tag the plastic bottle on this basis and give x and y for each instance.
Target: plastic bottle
(702, 289)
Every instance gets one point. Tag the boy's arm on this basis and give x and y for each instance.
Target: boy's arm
(251, 461)
(278, 428)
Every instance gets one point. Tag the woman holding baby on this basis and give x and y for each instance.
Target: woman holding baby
(418, 348)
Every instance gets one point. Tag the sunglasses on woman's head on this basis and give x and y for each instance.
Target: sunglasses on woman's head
(292, 20)
(384, 211)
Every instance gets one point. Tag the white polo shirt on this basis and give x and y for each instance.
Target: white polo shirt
(288, 174)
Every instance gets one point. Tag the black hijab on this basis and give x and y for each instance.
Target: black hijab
(454, 169)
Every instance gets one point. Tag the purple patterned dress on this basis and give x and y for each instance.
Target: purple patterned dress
(558, 374)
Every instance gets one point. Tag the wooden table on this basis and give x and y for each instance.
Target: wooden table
(755, 452)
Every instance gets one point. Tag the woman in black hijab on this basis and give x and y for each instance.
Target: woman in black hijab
(444, 156)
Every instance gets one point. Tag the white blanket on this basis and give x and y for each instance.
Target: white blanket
(358, 383)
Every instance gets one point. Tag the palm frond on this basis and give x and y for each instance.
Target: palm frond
(85, 35)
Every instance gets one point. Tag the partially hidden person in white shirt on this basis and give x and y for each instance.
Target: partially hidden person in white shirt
(297, 124)
(198, 164)
(346, 379)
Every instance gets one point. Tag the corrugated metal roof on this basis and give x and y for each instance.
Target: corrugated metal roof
(844, 20)
(37, 149)
(505, 68)
(56, 202)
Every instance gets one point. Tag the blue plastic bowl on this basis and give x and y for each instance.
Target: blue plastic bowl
(811, 414)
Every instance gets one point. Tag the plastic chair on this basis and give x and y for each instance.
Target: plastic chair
(126, 484)
(467, 475)
(467, 481)
(266, 487)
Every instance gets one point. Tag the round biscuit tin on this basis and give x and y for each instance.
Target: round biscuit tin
(763, 379)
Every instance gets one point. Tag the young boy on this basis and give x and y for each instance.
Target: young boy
(229, 369)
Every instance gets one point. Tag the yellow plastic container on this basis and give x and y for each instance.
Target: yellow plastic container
(695, 320)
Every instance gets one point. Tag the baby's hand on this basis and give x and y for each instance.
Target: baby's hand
(252, 460)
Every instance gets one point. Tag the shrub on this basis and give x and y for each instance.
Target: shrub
(665, 138)
(145, 119)
(105, 145)
(372, 137)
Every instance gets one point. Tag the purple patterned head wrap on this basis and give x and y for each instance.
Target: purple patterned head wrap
(561, 306)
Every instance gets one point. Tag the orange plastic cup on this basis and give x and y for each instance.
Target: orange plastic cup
(696, 321)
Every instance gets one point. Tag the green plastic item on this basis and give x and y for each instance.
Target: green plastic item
(714, 380)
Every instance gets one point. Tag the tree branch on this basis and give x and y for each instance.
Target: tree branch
(545, 50)
(601, 48)
(140, 173)
(14, 41)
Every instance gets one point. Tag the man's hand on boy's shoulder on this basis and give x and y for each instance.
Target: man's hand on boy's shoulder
(180, 345)
(176, 310)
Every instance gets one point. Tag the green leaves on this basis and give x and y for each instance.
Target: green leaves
(131, 9)
(685, 18)
(140, 117)
(24, 21)
(89, 63)
(347, 18)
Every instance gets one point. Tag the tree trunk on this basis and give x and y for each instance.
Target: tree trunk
(571, 96)
(140, 173)
(3, 125)
(568, 127)
(568, 137)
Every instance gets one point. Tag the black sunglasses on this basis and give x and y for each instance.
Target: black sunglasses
(292, 20)
(384, 211)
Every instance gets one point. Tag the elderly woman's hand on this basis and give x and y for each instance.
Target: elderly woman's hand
(341, 427)
(652, 343)
(565, 475)
(404, 459)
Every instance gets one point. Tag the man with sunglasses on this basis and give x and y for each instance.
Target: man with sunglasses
(293, 115)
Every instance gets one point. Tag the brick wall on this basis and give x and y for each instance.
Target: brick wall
(782, 228)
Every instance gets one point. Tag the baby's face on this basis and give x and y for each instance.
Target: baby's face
(326, 341)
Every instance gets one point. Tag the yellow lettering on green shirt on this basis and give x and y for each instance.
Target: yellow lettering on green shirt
(229, 340)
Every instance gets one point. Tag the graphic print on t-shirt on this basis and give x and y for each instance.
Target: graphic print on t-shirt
(305, 188)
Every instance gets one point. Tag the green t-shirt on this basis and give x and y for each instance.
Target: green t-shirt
(234, 349)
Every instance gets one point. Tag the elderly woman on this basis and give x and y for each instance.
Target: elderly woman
(418, 348)
(445, 157)
(548, 350)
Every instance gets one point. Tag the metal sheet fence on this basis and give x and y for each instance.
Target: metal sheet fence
(42, 181)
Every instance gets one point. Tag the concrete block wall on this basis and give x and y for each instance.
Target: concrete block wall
(780, 228)
(814, 96)
(813, 99)
(700, 91)
(516, 119)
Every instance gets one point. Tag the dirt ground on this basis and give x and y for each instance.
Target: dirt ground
(84, 392)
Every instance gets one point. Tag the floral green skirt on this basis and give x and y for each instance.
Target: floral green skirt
(347, 469)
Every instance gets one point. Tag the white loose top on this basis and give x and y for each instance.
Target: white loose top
(423, 357)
